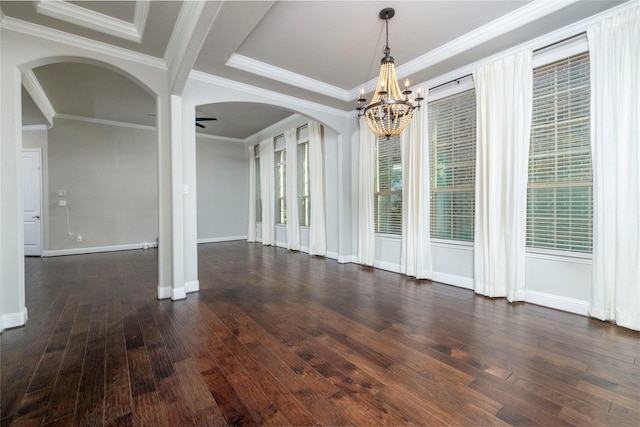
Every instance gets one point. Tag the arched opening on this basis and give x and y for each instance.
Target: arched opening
(100, 159)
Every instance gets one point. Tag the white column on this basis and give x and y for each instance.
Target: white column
(13, 311)
(190, 208)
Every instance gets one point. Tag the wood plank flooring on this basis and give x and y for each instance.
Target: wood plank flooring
(281, 338)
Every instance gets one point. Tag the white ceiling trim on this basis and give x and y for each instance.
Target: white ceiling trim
(556, 36)
(264, 133)
(87, 18)
(289, 77)
(257, 91)
(31, 128)
(192, 26)
(105, 122)
(34, 88)
(40, 31)
(498, 27)
(218, 138)
(515, 19)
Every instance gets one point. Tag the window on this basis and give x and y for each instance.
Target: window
(388, 187)
(559, 196)
(258, 189)
(452, 130)
(281, 186)
(304, 207)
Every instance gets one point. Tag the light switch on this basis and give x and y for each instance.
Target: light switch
(185, 188)
(62, 193)
(62, 203)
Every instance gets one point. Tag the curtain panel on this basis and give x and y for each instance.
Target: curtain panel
(317, 225)
(415, 256)
(366, 225)
(614, 49)
(504, 107)
(293, 229)
(251, 231)
(267, 189)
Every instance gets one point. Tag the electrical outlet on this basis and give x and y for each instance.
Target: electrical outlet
(62, 203)
(79, 238)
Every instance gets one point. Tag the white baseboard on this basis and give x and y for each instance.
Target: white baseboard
(192, 286)
(221, 239)
(164, 292)
(178, 293)
(389, 266)
(98, 249)
(281, 244)
(452, 279)
(332, 255)
(14, 320)
(570, 305)
(344, 259)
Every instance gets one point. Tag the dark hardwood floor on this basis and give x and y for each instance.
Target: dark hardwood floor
(282, 338)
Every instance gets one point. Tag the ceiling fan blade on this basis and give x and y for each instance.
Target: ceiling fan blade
(205, 119)
(199, 125)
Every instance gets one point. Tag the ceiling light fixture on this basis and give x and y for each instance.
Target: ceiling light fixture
(390, 109)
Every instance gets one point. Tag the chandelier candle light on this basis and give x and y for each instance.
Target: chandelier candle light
(390, 109)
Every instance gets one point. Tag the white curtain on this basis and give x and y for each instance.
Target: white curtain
(366, 225)
(415, 256)
(251, 232)
(293, 230)
(614, 51)
(504, 107)
(267, 189)
(317, 226)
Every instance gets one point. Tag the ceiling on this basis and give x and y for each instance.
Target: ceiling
(320, 51)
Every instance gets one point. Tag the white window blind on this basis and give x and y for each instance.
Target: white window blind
(560, 196)
(281, 186)
(304, 206)
(388, 187)
(258, 190)
(452, 130)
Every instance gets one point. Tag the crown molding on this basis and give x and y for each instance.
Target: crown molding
(517, 18)
(280, 74)
(219, 138)
(523, 15)
(548, 39)
(187, 20)
(34, 88)
(31, 128)
(87, 18)
(43, 32)
(272, 128)
(257, 91)
(105, 122)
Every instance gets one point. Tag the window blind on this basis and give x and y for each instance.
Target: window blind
(560, 195)
(281, 186)
(452, 130)
(388, 187)
(304, 206)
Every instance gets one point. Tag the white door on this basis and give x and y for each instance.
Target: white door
(32, 199)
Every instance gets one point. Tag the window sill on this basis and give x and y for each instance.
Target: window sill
(453, 244)
(563, 256)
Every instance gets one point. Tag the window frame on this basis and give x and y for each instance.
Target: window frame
(465, 85)
(387, 192)
(562, 53)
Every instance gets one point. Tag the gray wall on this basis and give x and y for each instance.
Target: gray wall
(109, 174)
(223, 189)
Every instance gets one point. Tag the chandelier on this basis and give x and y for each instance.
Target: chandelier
(390, 110)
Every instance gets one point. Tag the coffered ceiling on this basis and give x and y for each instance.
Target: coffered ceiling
(320, 51)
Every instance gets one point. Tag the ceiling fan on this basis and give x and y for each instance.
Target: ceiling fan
(198, 120)
(203, 119)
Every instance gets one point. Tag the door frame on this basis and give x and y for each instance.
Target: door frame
(41, 228)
